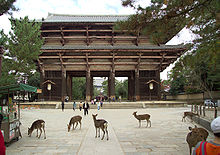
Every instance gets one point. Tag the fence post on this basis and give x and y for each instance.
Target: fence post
(204, 111)
(200, 109)
(195, 108)
(215, 112)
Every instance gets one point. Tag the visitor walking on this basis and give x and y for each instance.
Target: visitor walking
(80, 106)
(98, 105)
(62, 104)
(74, 105)
(95, 101)
(101, 102)
(86, 107)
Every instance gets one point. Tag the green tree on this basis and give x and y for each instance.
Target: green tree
(164, 18)
(121, 88)
(79, 88)
(6, 77)
(7, 6)
(34, 79)
(23, 46)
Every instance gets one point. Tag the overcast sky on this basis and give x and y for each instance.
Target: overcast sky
(38, 9)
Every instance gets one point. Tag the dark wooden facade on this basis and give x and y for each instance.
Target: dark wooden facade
(89, 46)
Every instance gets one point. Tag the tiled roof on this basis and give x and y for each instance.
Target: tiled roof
(81, 47)
(83, 18)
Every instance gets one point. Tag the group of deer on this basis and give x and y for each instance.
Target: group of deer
(99, 124)
(196, 134)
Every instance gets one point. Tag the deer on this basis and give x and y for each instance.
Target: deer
(190, 114)
(100, 123)
(142, 117)
(39, 125)
(196, 135)
(75, 119)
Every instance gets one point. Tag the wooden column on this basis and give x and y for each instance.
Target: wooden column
(132, 87)
(109, 90)
(91, 86)
(137, 85)
(158, 85)
(42, 79)
(88, 85)
(69, 87)
(88, 79)
(137, 79)
(112, 78)
(129, 88)
(63, 70)
(112, 85)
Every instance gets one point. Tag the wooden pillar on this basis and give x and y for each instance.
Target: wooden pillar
(88, 84)
(112, 78)
(91, 86)
(69, 87)
(112, 85)
(129, 88)
(158, 85)
(63, 92)
(109, 90)
(137, 85)
(42, 78)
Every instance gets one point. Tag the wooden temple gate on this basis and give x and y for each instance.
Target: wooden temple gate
(89, 46)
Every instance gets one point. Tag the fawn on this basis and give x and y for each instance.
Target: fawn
(75, 119)
(190, 114)
(196, 135)
(100, 123)
(142, 117)
(38, 124)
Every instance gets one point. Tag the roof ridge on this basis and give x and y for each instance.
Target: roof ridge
(89, 15)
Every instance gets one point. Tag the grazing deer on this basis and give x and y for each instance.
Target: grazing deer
(190, 114)
(75, 119)
(196, 135)
(38, 124)
(100, 123)
(142, 117)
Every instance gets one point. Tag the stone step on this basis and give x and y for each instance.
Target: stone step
(106, 105)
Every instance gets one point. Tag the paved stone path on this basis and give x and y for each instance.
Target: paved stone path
(166, 136)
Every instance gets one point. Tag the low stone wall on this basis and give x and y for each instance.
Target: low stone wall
(106, 105)
(202, 122)
(190, 98)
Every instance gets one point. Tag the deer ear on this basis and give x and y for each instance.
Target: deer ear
(190, 128)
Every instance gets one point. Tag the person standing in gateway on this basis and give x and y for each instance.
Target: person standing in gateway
(86, 107)
(62, 104)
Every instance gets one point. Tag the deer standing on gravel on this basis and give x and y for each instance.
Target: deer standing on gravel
(190, 114)
(39, 125)
(75, 119)
(100, 123)
(196, 135)
(142, 117)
